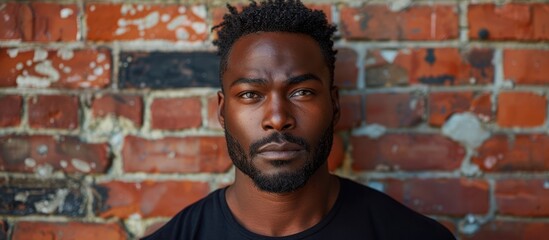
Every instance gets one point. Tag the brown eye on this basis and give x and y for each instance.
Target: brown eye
(249, 95)
(299, 93)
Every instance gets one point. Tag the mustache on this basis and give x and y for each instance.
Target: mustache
(277, 137)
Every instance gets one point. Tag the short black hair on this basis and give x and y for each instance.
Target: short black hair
(275, 16)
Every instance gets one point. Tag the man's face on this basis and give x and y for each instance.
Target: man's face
(278, 109)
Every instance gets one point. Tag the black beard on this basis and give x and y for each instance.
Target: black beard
(286, 181)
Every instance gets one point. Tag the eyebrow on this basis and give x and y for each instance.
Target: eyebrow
(290, 81)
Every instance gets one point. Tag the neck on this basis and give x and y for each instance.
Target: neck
(273, 214)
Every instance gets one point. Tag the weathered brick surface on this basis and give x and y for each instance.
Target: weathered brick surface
(346, 71)
(108, 22)
(11, 107)
(40, 22)
(40, 197)
(523, 152)
(350, 107)
(455, 197)
(431, 66)
(129, 107)
(510, 21)
(38, 153)
(526, 66)
(521, 109)
(176, 113)
(509, 230)
(523, 197)
(53, 111)
(61, 68)
(160, 70)
(68, 231)
(443, 104)
(394, 109)
(175, 155)
(406, 152)
(148, 199)
(378, 22)
(337, 154)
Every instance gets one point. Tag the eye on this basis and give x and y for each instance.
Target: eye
(249, 95)
(302, 92)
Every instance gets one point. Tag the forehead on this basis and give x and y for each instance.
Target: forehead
(276, 51)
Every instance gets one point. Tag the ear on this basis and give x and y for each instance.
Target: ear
(335, 104)
(220, 108)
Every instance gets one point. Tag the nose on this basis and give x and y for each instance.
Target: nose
(278, 115)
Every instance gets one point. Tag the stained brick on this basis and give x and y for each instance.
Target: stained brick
(42, 197)
(68, 231)
(432, 66)
(510, 230)
(148, 199)
(53, 111)
(523, 197)
(406, 152)
(176, 113)
(521, 109)
(38, 153)
(213, 122)
(62, 68)
(11, 107)
(454, 197)
(378, 22)
(482, 106)
(175, 155)
(526, 66)
(350, 111)
(129, 107)
(41, 22)
(518, 153)
(346, 70)
(108, 22)
(444, 104)
(337, 154)
(163, 70)
(394, 109)
(511, 21)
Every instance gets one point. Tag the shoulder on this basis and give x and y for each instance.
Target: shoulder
(388, 217)
(186, 224)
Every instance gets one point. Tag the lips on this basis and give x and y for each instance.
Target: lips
(280, 151)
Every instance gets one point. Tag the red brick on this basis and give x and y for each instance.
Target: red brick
(444, 104)
(11, 107)
(41, 22)
(176, 113)
(482, 106)
(510, 230)
(108, 22)
(410, 152)
(394, 109)
(337, 154)
(521, 109)
(454, 197)
(53, 111)
(526, 66)
(176, 155)
(432, 66)
(350, 107)
(148, 199)
(346, 70)
(521, 197)
(63, 68)
(378, 22)
(62, 153)
(127, 106)
(519, 153)
(511, 21)
(68, 231)
(213, 122)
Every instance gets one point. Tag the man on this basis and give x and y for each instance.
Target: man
(278, 106)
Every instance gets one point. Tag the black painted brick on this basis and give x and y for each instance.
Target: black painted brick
(162, 70)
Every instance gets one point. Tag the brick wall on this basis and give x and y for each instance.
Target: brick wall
(108, 125)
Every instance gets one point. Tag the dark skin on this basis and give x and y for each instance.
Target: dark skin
(278, 82)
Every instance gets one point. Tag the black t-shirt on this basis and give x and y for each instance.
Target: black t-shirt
(358, 213)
